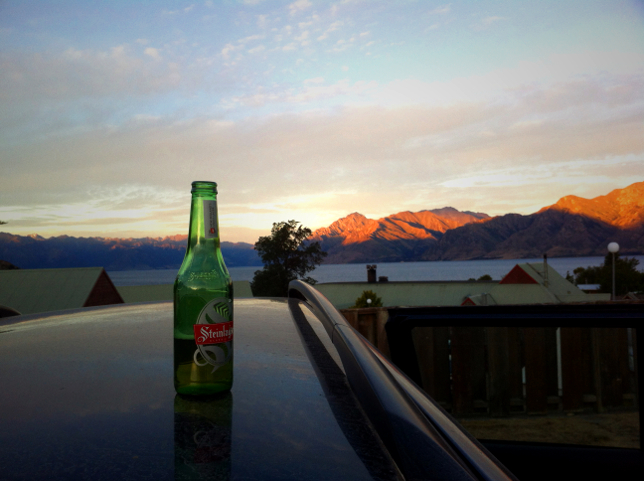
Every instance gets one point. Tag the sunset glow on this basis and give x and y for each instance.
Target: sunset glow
(311, 110)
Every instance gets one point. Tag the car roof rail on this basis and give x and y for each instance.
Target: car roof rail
(423, 439)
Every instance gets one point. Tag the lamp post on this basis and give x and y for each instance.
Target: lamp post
(613, 247)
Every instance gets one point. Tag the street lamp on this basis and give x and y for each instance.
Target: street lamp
(613, 247)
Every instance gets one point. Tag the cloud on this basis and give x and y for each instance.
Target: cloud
(228, 49)
(491, 19)
(441, 10)
(486, 22)
(76, 73)
(312, 90)
(404, 150)
(258, 49)
(331, 28)
(152, 52)
(250, 38)
(299, 6)
(262, 21)
(303, 38)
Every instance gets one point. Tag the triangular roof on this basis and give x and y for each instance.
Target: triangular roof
(518, 275)
(545, 275)
(536, 283)
(41, 290)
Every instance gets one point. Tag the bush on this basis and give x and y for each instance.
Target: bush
(362, 300)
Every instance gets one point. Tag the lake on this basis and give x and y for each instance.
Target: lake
(395, 271)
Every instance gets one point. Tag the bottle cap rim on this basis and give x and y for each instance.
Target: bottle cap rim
(204, 186)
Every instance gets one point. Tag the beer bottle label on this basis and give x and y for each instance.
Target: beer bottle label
(210, 219)
(214, 334)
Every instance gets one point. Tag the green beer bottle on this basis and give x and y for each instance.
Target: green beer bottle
(203, 304)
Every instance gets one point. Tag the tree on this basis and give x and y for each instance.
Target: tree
(484, 277)
(286, 256)
(368, 295)
(627, 277)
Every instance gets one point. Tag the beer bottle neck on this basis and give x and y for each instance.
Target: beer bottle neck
(204, 222)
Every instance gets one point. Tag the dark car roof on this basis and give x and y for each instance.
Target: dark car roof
(90, 393)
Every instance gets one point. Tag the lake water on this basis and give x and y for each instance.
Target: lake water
(395, 271)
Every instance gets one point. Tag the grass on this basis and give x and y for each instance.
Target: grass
(619, 429)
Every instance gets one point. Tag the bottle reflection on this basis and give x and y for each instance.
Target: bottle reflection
(202, 436)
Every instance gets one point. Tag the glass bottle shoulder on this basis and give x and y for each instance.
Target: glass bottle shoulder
(203, 267)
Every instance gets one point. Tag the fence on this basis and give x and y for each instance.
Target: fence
(370, 322)
(502, 370)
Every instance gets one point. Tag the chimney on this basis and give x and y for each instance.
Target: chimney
(545, 270)
(371, 273)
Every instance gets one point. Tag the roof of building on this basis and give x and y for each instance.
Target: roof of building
(41, 290)
(526, 283)
(533, 283)
(449, 293)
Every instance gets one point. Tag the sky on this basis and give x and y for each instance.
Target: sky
(311, 110)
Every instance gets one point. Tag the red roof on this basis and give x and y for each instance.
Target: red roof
(518, 276)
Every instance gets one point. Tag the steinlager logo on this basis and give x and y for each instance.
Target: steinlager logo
(214, 334)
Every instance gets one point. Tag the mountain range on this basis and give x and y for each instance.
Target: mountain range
(574, 226)
(33, 252)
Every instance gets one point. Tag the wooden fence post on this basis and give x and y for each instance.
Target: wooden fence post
(613, 351)
(382, 343)
(468, 368)
(535, 370)
(572, 366)
(499, 371)
(432, 350)
(515, 368)
(552, 377)
(636, 387)
(595, 343)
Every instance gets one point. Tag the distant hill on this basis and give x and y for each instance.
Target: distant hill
(402, 236)
(623, 208)
(31, 252)
(4, 265)
(572, 227)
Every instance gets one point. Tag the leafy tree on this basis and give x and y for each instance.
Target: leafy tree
(627, 277)
(362, 300)
(484, 277)
(286, 256)
(588, 275)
